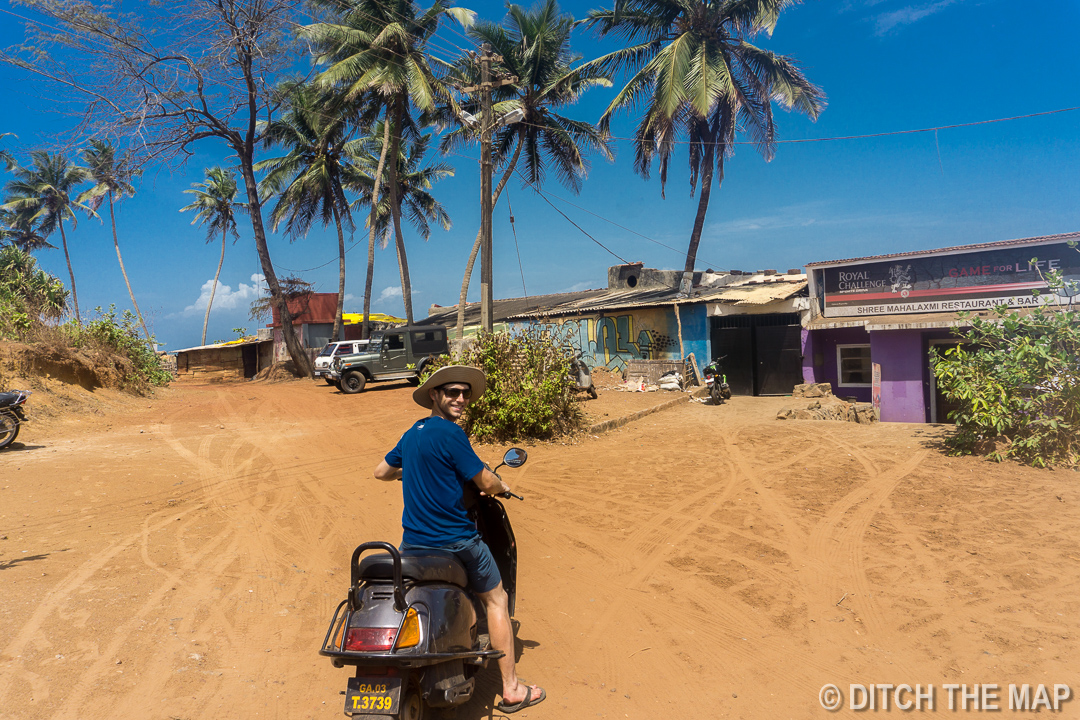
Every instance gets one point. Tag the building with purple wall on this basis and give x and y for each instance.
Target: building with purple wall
(893, 310)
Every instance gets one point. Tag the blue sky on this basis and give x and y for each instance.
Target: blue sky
(885, 65)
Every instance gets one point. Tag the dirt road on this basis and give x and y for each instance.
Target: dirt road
(179, 558)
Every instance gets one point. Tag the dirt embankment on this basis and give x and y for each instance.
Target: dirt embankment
(67, 383)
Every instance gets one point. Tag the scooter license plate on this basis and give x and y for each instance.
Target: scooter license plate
(373, 696)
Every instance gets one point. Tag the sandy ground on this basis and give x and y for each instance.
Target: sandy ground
(179, 558)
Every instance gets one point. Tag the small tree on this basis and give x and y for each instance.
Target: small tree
(530, 392)
(1018, 382)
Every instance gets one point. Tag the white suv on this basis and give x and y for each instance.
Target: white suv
(336, 349)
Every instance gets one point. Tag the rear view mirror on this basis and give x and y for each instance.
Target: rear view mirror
(515, 457)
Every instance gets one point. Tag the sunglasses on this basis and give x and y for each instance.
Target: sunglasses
(454, 393)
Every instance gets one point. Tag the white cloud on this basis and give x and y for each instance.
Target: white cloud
(578, 287)
(226, 298)
(885, 22)
(349, 296)
(390, 292)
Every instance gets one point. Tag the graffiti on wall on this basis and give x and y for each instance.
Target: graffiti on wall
(613, 340)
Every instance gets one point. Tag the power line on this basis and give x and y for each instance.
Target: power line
(859, 137)
(583, 232)
(518, 249)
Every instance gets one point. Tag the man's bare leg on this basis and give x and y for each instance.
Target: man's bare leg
(502, 639)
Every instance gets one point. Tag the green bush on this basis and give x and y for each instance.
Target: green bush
(29, 296)
(530, 394)
(1019, 383)
(121, 336)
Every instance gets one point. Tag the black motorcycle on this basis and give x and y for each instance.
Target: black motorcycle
(719, 390)
(11, 415)
(411, 627)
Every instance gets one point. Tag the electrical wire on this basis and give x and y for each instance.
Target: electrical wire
(521, 268)
(860, 137)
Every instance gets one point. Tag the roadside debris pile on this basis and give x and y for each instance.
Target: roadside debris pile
(824, 405)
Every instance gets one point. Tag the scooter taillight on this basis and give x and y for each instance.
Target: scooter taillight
(362, 639)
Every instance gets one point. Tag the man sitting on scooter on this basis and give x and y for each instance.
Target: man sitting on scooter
(434, 460)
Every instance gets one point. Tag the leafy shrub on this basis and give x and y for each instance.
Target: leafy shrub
(122, 337)
(1020, 382)
(530, 393)
(28, 295)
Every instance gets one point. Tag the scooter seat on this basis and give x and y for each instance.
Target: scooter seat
(8, 398)
(416, 565)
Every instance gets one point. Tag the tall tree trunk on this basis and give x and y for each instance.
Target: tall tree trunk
(116, 244)
(213, 288)
(71, 273)
(395, 213)
(463, 298)
(277, 298)
(365, 331)
(707, 167)
(341, 275)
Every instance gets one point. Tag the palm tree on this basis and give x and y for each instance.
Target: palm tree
(377, 49)
(309, 179)
(414, 184)
(18, 229)
(699, 78)
(535, 46)
(215, 206)
(42, 194)
(111, 178)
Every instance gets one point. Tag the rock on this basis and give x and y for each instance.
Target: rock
(812, 390)
(830, 408)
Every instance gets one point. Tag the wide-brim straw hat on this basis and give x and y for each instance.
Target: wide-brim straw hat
(473, 377)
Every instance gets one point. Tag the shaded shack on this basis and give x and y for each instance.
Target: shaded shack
(224, 362)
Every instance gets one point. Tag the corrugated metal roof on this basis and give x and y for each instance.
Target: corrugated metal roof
(755, 290)
(1061, 237)
(761, 294)
(222, 345)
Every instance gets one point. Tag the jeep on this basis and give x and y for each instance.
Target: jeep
(396, 354)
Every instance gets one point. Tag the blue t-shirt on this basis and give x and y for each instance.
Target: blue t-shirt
(436, 461)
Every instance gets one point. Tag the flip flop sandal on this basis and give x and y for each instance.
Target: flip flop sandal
(527, 702)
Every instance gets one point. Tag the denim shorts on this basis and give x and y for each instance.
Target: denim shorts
(475, 556)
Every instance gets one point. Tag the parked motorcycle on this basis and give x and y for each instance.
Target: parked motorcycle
(11, 415)
(581, 374)
(411, 627)
(719, 390)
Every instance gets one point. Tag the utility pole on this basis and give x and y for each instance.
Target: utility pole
(486, 297)
(487, 126)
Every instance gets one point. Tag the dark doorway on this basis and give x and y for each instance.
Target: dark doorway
(940, 406)
(763, 352)
(735, 345)
(251, 360)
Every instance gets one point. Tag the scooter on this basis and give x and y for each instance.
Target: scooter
(11, 415)
(411, 627)
(580, 374)
(719, 390)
